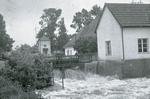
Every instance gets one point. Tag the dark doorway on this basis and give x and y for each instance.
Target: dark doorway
(45, 51)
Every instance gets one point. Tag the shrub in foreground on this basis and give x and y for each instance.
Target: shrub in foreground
(13, 91)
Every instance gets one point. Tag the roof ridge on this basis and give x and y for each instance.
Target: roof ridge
(130, 3)
(130, 14)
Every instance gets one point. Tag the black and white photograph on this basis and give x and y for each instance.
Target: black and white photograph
(74, 49)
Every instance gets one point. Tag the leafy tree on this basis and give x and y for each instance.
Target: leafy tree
(5, 40)
(86, 45)
(95, 10)
(81, 19)
(18, 78)
(84, 18)
(26, 67)
(62, 38)
(49, 24)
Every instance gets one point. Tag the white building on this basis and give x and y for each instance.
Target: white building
(123, 32)
(69, 49)
(44, 46)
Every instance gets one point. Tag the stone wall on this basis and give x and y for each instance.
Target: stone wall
(91, 67)
(124, 69)
(136, 68)
(110, 68)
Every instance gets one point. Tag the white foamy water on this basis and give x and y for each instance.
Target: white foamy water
(90, 86)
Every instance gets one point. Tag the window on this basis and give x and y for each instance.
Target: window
(142, 45)
(45, 45)
(70, 52)
(108, 48)
(45, 51)
(67, 52)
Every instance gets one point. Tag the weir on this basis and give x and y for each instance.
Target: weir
(63, 63)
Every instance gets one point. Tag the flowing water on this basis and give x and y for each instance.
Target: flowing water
(79, 85)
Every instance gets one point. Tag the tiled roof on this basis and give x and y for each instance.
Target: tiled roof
(131, 15)
(87, 31)
(71, 42)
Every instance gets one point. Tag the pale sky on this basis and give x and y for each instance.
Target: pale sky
(22, 16)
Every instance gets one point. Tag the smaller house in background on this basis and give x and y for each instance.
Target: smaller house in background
(88, 31)
(44, 46)
(69, 49)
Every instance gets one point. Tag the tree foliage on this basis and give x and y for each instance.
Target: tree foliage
(86, 45)
(84, 18)
(63, 37)
(81, 19)
(27, 68)
(49, 24)
(5, 40)
(95, 10)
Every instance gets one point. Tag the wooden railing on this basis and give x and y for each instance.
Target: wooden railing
(59, 60)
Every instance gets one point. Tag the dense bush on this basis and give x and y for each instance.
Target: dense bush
(28, 68)
(13, 91)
